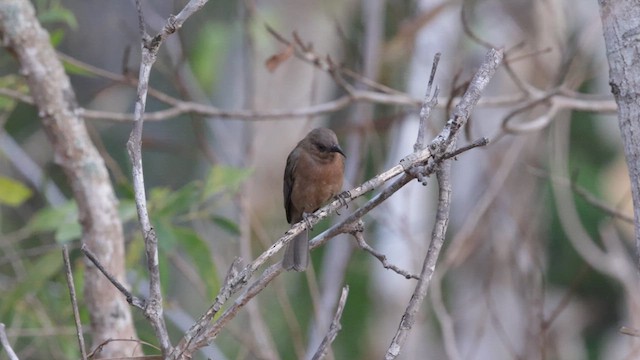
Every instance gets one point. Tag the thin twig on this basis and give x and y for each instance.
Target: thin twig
(5, 344)
(334, 328)
(479, 142)
(585, 195)
(577, 102)
(629, 331)
(427, 105)
(74, 301)
(226, 291)
(153, 309)
(444, 318)
(381, 257)
(429, 264)
(131, 299)
(100, 346)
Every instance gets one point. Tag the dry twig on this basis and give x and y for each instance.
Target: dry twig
(74, 301)
(5, 344)
(334, 328)
(440, 145)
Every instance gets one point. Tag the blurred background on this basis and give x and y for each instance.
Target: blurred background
(539, 258)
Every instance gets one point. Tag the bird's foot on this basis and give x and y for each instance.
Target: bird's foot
(342, 197)
(308, 217)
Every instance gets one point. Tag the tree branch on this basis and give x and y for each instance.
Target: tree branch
(74, 152)
(131, 299)
(334, 328)
(440, 145)
(5, 344)
(620, 26)
(74, 301)
(429, 264)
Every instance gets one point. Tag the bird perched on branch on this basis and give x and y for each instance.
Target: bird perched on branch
(313, 175)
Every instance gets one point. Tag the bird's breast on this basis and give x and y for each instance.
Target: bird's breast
(316, 181)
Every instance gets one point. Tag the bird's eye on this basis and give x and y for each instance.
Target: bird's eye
(322, 148)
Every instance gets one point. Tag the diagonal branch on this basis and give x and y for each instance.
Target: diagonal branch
(74, 301)
(6, 345)
(334, 328)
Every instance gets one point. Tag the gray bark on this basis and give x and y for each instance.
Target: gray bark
(621, 28)
(84, 167)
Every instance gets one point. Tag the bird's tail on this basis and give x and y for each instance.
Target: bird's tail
(296, 255)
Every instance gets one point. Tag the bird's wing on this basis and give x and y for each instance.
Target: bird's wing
(287, 187)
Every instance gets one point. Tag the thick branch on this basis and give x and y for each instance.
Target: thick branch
(621, 31)
(73, 150)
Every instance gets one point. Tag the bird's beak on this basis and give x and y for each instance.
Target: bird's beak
(338, 149)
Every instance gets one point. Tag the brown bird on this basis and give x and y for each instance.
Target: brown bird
(313, 175)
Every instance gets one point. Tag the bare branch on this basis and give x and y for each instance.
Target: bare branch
(100, 346)
(74, 301)
(427, 105)
(334, 328)
(131, 299)
(5, 344)
(586, 196)
(629, 331)
(383, 258)
(440, 146)
(153, 309)
(480, 142)
(446, 322)
(73, 151)
(429, 264)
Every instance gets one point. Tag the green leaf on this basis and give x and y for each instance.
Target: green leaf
(68, 232)
(127, 210)
(208, 52)
(227, 224)
(56, 37)
(14, 83)
(135, 251)
(165, 232)
(158, 197)
(38, 273)
(13, 192)
(51, 219)
(180, 201)
(58, 14)
(198, 250)
(76, 70)
(164, 268)
(224, 178)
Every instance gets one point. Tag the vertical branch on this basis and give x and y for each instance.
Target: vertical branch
(621, 31)
(334, 328)
(153, 310)
(427, 105)
(74, 301)
(429, 264)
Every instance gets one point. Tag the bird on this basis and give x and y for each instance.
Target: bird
(313, 175)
